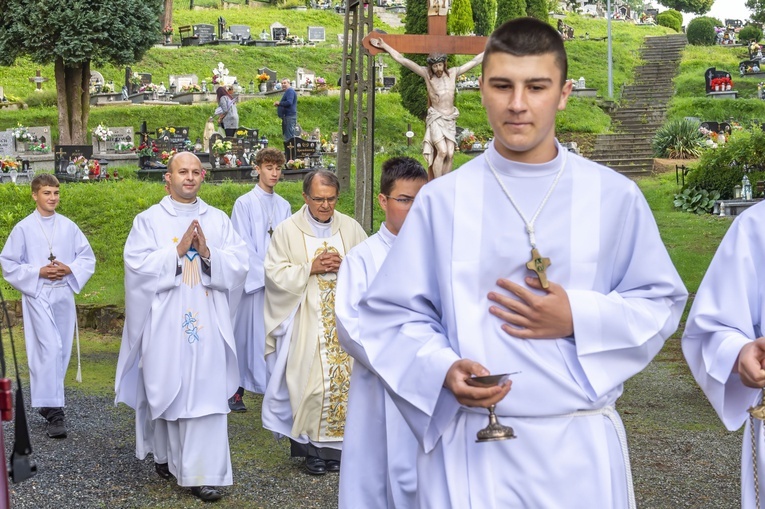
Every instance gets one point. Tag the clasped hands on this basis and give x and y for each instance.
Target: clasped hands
(55, 271)
(527, 315)
(750, 364)
(326, 262)
(194, 237)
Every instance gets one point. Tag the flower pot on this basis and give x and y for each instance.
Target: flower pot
(168, 38)
(262, 87)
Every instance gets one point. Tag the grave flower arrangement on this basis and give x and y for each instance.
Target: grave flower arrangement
(146, 150)
(466, 139)
(295, 164)
(135, 79)
(107, 88)
(164, 158)
(123, 146)
(321, 84)
(162, 130)
(191, 88)
(720, 84)
(22, 134)
(94, 168)
(42, 148)
(168, 30)
(8, 163)
(221, 147)
(149, 87)
(262, 78)
(102, 133)
(307, 83)
(219, 73)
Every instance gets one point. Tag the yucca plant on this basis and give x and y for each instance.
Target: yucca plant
(678, 139)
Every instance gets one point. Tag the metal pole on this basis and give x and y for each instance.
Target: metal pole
(610, 55)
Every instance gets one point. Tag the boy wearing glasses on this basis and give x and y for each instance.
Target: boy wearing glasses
(309, 373)
(378, 438)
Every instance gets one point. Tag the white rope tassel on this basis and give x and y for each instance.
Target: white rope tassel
(77, 336)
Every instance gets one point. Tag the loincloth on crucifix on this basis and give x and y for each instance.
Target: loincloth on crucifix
(438, 127)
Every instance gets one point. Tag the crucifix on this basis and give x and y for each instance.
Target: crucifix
(38, 79)
(539, 265)
(439, 143)
(51, 257)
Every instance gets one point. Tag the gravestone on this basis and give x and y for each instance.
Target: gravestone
(2, 94)
(652, 13)
(711, 74)
(240, 32)
(299, 148)
(119, 135)
(177, 140)
(279, 32)
(389, 82)
(734, 23)
(40, 134)
(145, 78)
(65, 153)
(316, 34)
(96, 80)
(204, 33)
(182, 80)
(305, 78)
(271, 77)
(6, 144)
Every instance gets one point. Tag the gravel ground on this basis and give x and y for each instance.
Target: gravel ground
(681, 456)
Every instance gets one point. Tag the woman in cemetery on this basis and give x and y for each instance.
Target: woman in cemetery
(228, 117)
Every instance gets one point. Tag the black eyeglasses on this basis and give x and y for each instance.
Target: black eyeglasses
(404, 202)
(331, 200)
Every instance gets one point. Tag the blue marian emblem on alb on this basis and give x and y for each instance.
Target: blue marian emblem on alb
(190, 327)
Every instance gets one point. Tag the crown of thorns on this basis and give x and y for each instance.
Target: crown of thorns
(435, 58)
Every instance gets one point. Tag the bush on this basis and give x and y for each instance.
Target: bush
(701, 32)
(678, 139)
(697, 201)
(750, 33)
(666, 19)
(42, 98)
(677, 15)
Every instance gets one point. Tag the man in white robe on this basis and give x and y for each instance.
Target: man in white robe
(184, 264)
(309, 373)
(255, 216)
(378, 469)
(48, 260)
(454, 299)
(723, 340)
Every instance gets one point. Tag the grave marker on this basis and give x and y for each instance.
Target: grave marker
(6, 143)
(299, 148)
(240, 32)
(65, 153)
(279, 32)
(119, 135)
(316, 34)
(176, 140)
(204, 33)
(38, 80)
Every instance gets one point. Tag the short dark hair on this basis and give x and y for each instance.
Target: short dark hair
(523, 37)
(400, 168)
(44, 179)
(270, 155)
(325, 176)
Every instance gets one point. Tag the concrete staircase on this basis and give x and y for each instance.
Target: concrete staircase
(643, 108)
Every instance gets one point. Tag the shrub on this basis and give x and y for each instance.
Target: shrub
(750, 33)
(677, 15)
(43, 98)
(484, 15)
(665, 19)
(460, 20)
(694, 200)
(701, 32)
(678, 139)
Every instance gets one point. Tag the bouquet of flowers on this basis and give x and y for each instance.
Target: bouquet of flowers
(149, 87)
(191, 88)
(39, 147)
(94, 167)
(466, 139)
(135, 79)
(8, 163)
(101, 132)
(165, 157)
(722, 83)
(123, 146)
(262, 78)
(321, 83)
(295, 164)
(22, 134)
(168, 30)
(107, 88)
(145, 150)
(221, 147)
(162, 130)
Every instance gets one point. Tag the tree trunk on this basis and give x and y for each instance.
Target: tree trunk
(72, 89)
(167, 15)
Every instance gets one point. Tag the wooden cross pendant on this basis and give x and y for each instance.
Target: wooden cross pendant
(539, 265)
(51, 257)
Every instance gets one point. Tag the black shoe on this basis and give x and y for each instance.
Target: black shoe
(56, 423)
(235, 404)
(163, 471)
(206, 493)
(333, 465)
(315, 466)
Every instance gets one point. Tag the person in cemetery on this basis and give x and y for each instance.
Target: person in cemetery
(458, 297)
(441, 122)
(378, 469)
(255, 216)
(286, 109)
(309, 373)
(228, 117)
(177, 366)
(724, 345)
(48, 259)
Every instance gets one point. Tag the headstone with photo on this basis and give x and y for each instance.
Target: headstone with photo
(119, 135)
(299, 148)
(39, 134)
(711, 74)
(205, 33)
(65, 153)
(279, 32)
(176, 137)
(316, 34)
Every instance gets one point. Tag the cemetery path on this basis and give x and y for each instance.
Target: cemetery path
(642, 109)
(681, 455)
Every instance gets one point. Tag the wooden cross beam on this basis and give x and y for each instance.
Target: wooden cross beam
(435, 41)
(38, 79)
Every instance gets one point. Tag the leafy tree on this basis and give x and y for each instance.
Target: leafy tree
(414, 93)
(538, 9)
(71, 34)
(750, 33)
(509, 9)
(460, 21)
(758, 10)
(484, 15)
(693, 6)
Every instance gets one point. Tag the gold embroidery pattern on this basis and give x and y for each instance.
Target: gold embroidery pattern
(339, 361)
(191, 275)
